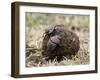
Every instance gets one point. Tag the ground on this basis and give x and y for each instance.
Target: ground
(34, 57)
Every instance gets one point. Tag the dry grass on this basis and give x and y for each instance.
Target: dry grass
(34, 57)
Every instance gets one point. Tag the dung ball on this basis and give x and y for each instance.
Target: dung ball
(59, 42)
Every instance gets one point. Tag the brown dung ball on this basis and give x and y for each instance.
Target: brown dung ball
(59, 42)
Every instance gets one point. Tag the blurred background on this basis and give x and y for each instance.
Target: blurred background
(37, 19)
